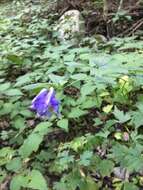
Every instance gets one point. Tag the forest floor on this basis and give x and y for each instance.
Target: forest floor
(97, 142)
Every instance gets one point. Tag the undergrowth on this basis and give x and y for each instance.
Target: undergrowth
(100, 87)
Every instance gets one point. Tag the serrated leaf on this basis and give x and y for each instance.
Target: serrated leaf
(85, 158)
(105, 167)
(121, 116)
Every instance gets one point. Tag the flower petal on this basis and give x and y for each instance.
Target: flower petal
(55, 105)
(45, 102)
(39, 102)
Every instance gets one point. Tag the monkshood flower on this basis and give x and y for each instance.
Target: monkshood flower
(45, 103)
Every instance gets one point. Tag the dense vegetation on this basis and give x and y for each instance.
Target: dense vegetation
(97, 141)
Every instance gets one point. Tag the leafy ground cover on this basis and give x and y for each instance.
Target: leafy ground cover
(97, 141)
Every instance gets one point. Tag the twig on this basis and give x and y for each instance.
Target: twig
(120, 5)
(132, 28)
(138, 26)
(105, 17)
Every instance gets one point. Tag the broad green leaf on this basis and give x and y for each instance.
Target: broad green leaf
(84, 56)
(81, 76)
(76, 112)
(105, 167)
(90, 103)
(15, 59)
(13, 92)
(57, 79)
(19, 123)
(14, 165)
(89, 184)
(121, 116)
(37, 181)
(42, 128)
(87, 89)
(60, 185)
(130, 186)
(63, 124)
(32, 180)
(137, 118)
(129, 158)
(4, 87)
(22, 80)
(85, 158)
(3, 175)
(35, 86)
(18, 181)
(32, 143)
(7, 109)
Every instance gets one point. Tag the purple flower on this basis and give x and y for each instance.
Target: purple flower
(45, 103)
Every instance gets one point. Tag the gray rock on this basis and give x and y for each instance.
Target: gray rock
(121, 173)
(71, 26)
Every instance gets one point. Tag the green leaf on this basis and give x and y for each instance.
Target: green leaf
(89, 184)
(137, 118)
(13, 92)
(18, 181)
(4, 87)
(33, 180)
(6, 155)
(130, 186)
(63, 123)
(19, 123)
(57, 79)
(42, 128)
(105, 167)
(22, 80)
(3, 175)
(15, 59)
(81, 76)
(87, 89)
(14, 165)
(85, 158)
(107, 108)
(32, 143)
(60, 185)
(76, 112)
(121, 116)
(7, 109)
(37, 181)
(129, 158)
